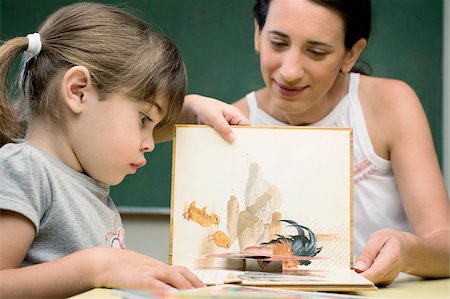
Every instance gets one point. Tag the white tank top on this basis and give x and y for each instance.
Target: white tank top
(376, 201)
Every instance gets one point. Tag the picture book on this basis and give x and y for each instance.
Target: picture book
(273, 208)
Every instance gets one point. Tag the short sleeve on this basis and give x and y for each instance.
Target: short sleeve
(22, 184)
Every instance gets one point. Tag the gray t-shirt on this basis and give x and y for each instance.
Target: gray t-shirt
(70, 210)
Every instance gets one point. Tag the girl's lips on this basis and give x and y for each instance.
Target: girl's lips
(289, 91)
(134, 166)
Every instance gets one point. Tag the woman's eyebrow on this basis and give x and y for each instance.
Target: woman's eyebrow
(281, 34)
(320, 43)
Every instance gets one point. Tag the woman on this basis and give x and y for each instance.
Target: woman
(308, 50)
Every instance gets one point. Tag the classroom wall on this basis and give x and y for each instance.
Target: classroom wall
(148, 234)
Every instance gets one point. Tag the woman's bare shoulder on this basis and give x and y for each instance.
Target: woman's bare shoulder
(391, 109)
(387, 98)
(386, 91)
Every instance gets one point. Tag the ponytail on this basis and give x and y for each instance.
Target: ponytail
(9, 124)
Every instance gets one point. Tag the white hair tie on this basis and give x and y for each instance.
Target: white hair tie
(34, 44)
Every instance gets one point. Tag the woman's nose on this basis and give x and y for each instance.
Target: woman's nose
(292, 67)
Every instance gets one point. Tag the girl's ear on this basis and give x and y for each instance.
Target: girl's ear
(352, 56)
(76, 84)
(257, 37)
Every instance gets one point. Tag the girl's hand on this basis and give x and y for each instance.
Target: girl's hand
(383, 257)
(220, 115)
(129, 269)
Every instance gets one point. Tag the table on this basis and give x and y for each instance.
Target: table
(405, 286)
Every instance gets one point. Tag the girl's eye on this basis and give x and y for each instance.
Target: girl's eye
(144, 118)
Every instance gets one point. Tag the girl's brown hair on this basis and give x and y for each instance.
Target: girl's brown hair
(121, 52)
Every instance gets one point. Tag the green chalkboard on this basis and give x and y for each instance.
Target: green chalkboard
(215, 38)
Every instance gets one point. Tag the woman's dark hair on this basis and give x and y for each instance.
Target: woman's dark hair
(356, 15)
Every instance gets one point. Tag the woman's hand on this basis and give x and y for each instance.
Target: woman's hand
(220, 115)
(207, 111)
(384, 255)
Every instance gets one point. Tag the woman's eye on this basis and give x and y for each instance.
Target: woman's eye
(317, 53)
(277, 44)
(144, 118)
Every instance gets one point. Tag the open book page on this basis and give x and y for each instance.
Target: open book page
(315, 279)
(344, 280)
(280, 195)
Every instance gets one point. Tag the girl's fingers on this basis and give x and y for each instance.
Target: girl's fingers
(193, 279)
(157, 284)
(179, 277)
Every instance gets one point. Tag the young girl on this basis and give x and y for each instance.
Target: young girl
(96, 82)
(307, 50)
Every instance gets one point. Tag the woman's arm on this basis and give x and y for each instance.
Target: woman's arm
(202, 110)
(80, 271)
(415, 165)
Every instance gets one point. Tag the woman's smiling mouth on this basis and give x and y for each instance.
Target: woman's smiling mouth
(289, 91)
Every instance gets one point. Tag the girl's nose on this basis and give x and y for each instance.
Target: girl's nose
(148, 144)
(292, 66)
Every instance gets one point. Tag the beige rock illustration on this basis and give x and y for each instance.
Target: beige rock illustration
(249, 229)
(256, 185)
(268, 202)
(232, 218)
(262, 200)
